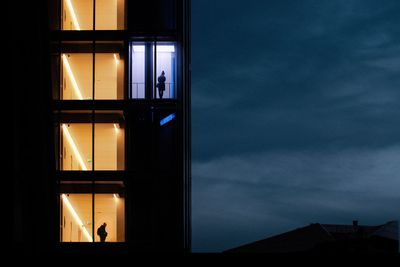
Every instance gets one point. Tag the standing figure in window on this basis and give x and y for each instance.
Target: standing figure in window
(161, 84)
(101, 232)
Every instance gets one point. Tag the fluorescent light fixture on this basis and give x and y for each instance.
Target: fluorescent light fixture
(72, 77)
(138, 48)
(74, 148)
(166, 48)
(116, 59)
(167, 119)
(116, 127)
(73, 15)
(76, 217)
(160, 48)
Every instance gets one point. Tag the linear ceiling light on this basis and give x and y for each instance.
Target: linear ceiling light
(72, 77)
(116, 127)
(73, 15)
(74, 148)
(76, 217)
(138, 48)
(116, 59)
(166, 48)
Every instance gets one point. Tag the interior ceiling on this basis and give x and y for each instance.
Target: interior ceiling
(82, 203)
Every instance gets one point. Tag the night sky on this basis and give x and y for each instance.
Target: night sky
(295, 116)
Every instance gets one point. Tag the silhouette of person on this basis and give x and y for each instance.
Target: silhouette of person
(101, 232)
(161, 84)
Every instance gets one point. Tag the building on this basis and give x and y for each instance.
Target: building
(101, 130)
(330, 238)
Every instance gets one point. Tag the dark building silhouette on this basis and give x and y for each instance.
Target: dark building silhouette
(330, 238)
(93, 143)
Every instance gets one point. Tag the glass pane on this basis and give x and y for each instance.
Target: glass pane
(109, 76)
(76, 146)
(166, 71)
(109, 146)
(77, 15)
(110, 217)
(138, 71)
(77, 78)
(110, 14)
(76, 218)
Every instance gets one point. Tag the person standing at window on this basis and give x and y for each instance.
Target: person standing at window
(101, 232)
(161, 84)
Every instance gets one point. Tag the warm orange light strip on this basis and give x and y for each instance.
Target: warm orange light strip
(76, 217)
(74, 148)
(116, 59)
(72, 77)
(73, 15)
(116, 128)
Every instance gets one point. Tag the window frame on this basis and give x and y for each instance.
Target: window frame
(150, 69)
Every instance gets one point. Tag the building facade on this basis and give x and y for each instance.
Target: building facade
(115, 128)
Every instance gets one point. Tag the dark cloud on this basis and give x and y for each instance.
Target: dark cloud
(242, 199)
(295, 76)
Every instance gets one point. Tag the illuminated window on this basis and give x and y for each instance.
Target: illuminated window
(138, 77)
(77, 203)
(166, 63)
(109, 69)
(76, 141)
(76, 146)
(110, 209)
(77, 73)
(153, 70)
(109, 146)
(76, 218)
(77, 76)
(77, 15)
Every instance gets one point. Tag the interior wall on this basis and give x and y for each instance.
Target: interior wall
(121, 14)
(120, 79)
(106, 15)
(138, 74)
(105, 143)
(81, 134)
(71, 230)
(105, 76)
(165, 62)
(121, 149)
(106, 212)
(84, 14)
(81, 67)
(120, 219)
(109, 14)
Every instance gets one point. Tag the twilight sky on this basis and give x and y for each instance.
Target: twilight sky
(296, 116)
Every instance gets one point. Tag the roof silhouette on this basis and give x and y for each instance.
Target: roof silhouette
(318, 237)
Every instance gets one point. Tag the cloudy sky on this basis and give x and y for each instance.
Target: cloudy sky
(296, 116)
